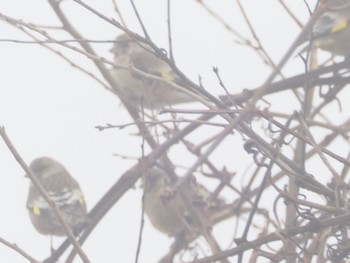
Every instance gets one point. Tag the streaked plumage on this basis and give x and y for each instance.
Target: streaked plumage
(168, 211)
(63, 189)
(183, 214)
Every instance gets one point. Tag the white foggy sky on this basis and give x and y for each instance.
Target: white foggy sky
(49, 108)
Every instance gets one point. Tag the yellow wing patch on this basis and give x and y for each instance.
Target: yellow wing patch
(167, 76)
(343, 23)
(36, 211)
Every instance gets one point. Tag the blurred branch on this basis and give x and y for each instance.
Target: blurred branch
(19, 251)
(45, 195)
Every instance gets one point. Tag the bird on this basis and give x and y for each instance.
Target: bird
(62, 189)
(331, 31)
(166, 211)
(139, 90)
(183, 213)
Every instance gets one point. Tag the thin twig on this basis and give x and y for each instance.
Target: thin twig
(45, 195)
(19, 251)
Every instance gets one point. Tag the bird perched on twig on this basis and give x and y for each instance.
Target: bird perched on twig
(184, 213)
(139, 90)
(63, 189)
(331, 31)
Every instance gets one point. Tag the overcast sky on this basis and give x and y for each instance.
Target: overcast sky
(50, 108)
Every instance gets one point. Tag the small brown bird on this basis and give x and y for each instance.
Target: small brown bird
(137, 90)
(184, 213)
(63, 190)
(166, 210)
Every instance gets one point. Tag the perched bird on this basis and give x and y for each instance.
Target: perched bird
(166, 210)
(331, 31)
(184, 213)
(63, 190)
(139, 90)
